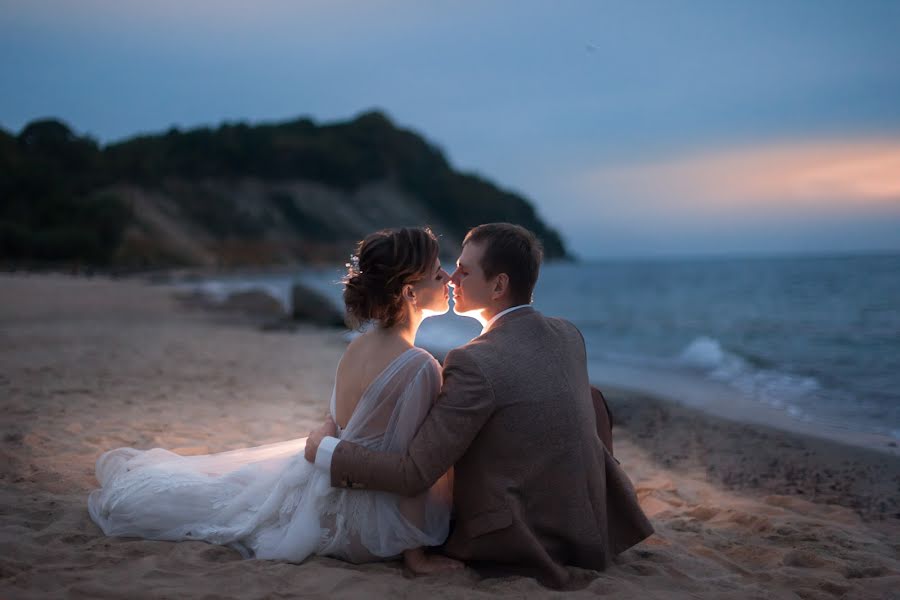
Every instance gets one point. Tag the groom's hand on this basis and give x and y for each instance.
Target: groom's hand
(328, 428)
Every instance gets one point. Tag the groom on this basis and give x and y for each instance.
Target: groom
(535, 489)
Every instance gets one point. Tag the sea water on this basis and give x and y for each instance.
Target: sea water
(816, 338)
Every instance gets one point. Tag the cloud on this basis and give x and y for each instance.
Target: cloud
(856, 176)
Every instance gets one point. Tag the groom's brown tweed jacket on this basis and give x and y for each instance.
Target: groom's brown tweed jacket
(534, 487)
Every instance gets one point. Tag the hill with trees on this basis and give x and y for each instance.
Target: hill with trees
(235, 195)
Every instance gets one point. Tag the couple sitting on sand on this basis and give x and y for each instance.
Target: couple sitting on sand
(509, 438)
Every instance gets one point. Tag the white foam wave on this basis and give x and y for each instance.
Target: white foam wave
(770, 386)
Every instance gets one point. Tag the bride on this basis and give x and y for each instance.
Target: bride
(268, 502)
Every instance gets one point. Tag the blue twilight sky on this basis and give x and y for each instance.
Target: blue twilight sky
(638, 128)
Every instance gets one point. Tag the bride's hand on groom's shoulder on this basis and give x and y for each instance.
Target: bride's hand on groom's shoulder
(328, 428)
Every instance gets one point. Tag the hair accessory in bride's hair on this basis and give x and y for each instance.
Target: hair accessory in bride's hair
(353, 266)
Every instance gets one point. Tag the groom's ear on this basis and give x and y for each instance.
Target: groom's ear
(501, 285)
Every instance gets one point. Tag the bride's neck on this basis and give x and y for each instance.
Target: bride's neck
(406, 329)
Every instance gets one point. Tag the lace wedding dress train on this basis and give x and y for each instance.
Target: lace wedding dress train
(268, 502)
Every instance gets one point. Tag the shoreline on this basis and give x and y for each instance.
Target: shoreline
(91, 364)
(706, 397)
(784, 462)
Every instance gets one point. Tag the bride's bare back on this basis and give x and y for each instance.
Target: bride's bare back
(365, 359)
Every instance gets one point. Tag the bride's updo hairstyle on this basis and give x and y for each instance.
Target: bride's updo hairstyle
(384, 262)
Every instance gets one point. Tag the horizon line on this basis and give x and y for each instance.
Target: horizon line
(741, 255)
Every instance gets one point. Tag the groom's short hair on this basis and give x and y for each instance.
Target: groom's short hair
(513, 250)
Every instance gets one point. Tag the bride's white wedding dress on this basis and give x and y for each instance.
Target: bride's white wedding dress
(268, 502)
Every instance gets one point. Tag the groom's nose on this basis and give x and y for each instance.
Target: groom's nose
(454, 279)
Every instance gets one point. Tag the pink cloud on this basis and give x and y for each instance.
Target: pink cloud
(857, 176)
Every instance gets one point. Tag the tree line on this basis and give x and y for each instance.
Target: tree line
(56, 203)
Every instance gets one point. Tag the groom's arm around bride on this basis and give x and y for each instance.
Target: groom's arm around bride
(455, 419)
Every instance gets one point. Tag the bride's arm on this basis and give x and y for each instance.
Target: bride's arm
(465, 403)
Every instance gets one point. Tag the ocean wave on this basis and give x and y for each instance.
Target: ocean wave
(773, 387)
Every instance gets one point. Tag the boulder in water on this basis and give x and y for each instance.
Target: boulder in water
(253, 303)
(310, 306)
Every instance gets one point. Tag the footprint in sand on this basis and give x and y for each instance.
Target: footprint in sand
(644, 569)
(859, 572)
(219, 554)
(803, 558)
(688, 525)
(703, 513)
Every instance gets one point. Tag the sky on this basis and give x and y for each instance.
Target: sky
(638, 129)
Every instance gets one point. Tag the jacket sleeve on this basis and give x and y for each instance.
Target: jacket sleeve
(465, 403)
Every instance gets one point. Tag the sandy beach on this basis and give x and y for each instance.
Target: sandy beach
(87, 365)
